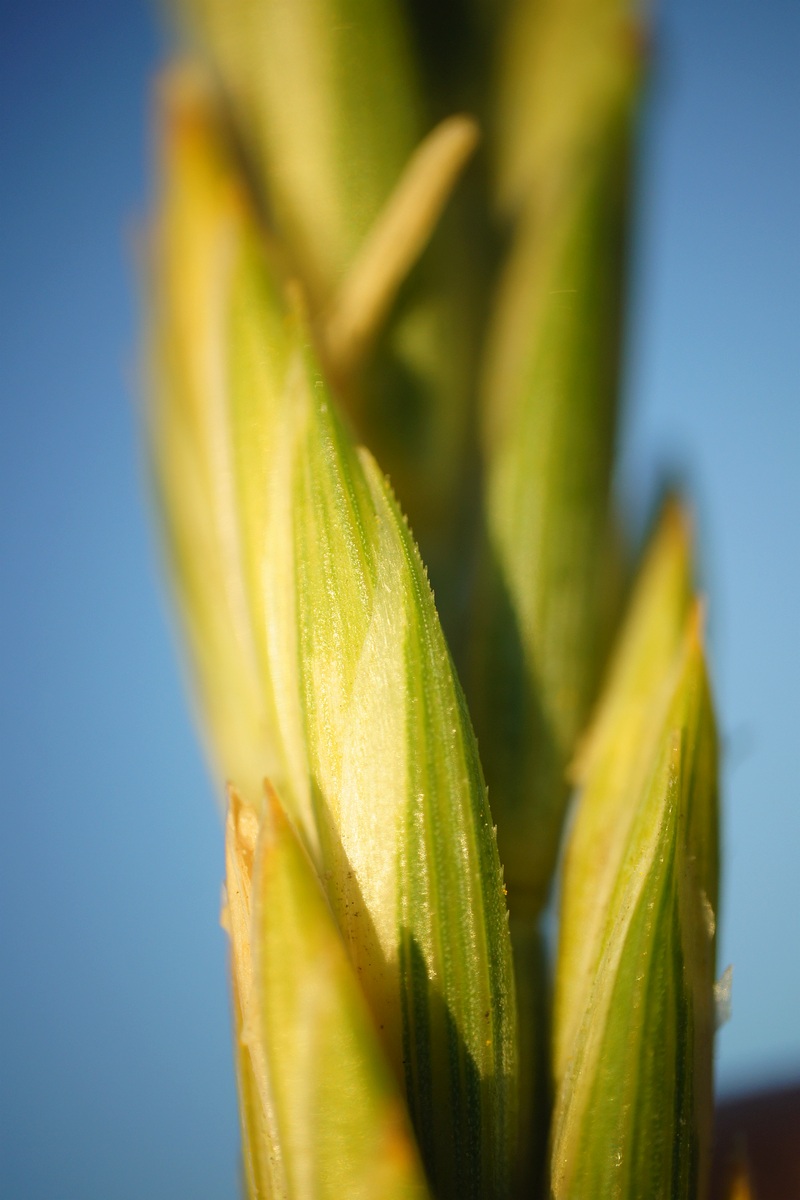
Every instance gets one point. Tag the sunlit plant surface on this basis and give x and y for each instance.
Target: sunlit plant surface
(384, 320)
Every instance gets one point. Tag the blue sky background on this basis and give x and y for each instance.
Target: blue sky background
(115, 1075)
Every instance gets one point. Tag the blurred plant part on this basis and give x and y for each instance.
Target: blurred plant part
(395, 241)
(551, 569)
(564, 66)
(335, 291)
(327, 127)
(328, 108)
(192, 450)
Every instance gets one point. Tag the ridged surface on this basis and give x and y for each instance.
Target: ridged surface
(340, 1115)
(635, 1032)
(356, 714)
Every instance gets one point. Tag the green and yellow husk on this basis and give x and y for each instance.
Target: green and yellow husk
(329, 301)
(321, 1108)
(613, 762)
(352, 707)
(634, 1012)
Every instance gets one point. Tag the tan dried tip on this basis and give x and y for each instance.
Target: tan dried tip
(241, 834)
